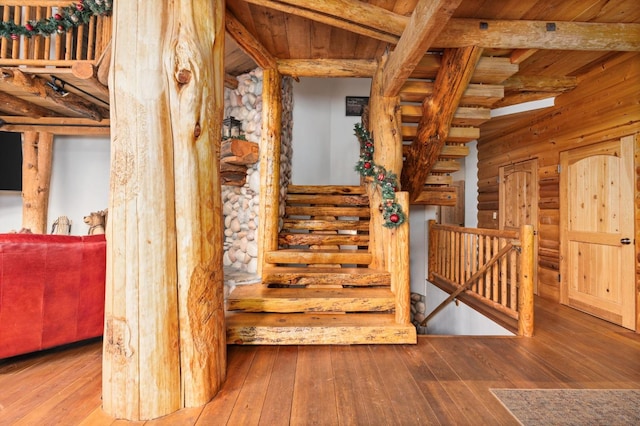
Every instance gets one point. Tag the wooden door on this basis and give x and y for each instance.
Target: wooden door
(518, 193)
(597, 231)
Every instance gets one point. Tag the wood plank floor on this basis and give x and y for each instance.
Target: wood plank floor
(441, 380)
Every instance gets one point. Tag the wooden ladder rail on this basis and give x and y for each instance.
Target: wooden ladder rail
(503, 251)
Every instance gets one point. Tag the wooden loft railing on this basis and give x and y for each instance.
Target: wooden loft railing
(85, 42)
(488, 269)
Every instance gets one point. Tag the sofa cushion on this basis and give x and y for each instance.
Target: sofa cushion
(51, 290)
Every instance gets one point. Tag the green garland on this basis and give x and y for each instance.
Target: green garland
(67, 17)
(387, 181)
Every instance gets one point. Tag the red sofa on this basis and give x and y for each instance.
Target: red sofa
(51, 290)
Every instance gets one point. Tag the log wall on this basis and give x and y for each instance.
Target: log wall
(605, 105)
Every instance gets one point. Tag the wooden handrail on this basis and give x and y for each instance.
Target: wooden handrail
(482, 266)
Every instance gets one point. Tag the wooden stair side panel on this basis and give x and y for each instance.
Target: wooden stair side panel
(317, 329)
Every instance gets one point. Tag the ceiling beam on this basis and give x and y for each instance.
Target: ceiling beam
(350, 15)
(438, 110)
(427, 20)
(559, 35)
(248, 42)
(55, 125)
(38, 86)
(382, 24)
(327, 67)
(12, 105)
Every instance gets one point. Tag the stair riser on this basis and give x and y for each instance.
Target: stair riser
(311, 305)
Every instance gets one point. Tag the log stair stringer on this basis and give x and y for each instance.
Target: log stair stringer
(318, 287)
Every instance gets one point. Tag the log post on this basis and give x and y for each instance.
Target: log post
(164, 341)
(525, 293)
(37, 150)
(399, 265)
(384, 122)
(270, 165)
(432, 254)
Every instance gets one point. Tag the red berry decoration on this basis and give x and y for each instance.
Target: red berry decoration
(394, 218)
(29, 27)
(367, 165)
(80, 7)
(381, 177)
(58, 17)
(14, 36)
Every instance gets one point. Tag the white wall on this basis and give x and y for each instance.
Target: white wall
(79, 184)
(325, 149)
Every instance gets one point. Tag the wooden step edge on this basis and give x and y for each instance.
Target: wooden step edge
(259, 298)
(327, 189)
(317, 329)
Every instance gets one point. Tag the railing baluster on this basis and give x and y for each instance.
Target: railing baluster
(483, 264)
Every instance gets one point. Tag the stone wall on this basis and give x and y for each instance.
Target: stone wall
(241, 204)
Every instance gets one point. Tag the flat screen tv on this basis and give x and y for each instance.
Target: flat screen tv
(10, 161)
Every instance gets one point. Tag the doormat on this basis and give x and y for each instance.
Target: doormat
(572, 406)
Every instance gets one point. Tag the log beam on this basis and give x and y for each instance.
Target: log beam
(12, 104)
(460, 32)
(38, 86)
(37, 151)
(427, 20)
(326, 67)
(248, 42)
(438, 110)
(89, 73)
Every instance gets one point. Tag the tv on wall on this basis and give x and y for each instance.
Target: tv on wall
(10, 161)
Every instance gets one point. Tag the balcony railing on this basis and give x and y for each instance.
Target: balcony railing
(489, 269)
(86, 42)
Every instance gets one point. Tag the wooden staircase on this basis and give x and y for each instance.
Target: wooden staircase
(485, 90)
(318, 287)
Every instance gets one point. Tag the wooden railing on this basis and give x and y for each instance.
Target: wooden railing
(490, 270)
(85, 42)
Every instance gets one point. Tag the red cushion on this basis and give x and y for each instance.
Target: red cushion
(51, 290)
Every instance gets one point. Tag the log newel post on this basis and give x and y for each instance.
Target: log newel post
(525, 292)
(37, 152)
(385, 129)
(270, 165)
(399, 264)
(164, 343)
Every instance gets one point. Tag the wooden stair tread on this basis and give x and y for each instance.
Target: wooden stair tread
(298, 239)
(339, 211)
(325, 189)
(314, 328)
(321, 255)
(328, 199)
(260, 298)
(329, 276)
(325, 225)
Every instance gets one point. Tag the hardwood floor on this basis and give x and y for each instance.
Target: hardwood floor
(441, 380)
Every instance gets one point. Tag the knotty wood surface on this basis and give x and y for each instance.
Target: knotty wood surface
(442, 379)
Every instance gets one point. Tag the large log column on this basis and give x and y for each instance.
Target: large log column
(164, 344)
(37, 150)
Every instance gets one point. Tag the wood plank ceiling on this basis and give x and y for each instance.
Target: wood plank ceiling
(543, 37)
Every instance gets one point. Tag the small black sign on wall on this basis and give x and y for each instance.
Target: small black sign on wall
(355, 104)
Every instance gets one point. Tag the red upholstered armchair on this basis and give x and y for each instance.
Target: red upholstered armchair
(51, 290)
